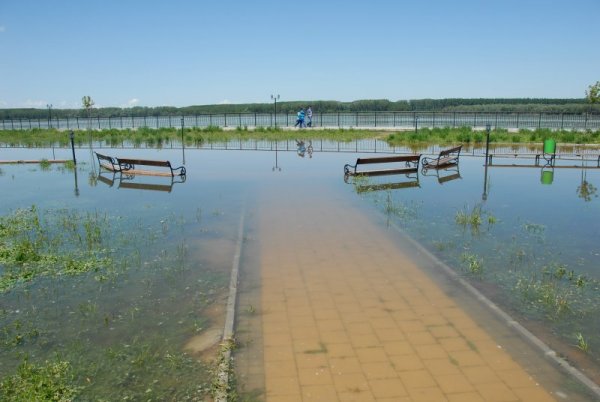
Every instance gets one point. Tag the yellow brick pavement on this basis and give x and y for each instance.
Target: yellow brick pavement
(347, 316)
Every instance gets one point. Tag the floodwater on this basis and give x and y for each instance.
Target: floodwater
(337, 302)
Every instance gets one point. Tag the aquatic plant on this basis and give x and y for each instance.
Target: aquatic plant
(50, 381)
(473, 263)
(582, 344)
(45, 164)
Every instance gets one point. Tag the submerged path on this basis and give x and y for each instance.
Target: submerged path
(347, 316)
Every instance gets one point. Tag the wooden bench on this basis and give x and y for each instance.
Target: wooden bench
(445, 158)
(411, 164)
(128, 165)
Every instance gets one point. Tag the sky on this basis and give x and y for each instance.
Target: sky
(178, 53)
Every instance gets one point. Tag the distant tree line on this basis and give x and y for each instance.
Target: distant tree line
(535, 105)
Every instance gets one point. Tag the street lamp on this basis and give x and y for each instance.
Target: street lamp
(275, 98)
(49, 106)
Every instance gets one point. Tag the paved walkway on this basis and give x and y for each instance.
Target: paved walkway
(348, 317)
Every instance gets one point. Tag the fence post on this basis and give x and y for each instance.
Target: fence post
(98, 122)
(356, 119)
(240, 119)
(518, 114)
(496, 125)
(132, 122)
(121, 118)
(394, 119)
(434, 113)
(375, 119)
(254, 119)
(338, 120)
(475, 120)
(454, 120)
(586, 119)
(225, 119)
(540, 121)
(562, 117)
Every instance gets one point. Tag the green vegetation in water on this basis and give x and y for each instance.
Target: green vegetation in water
(474, 218)
(158, 138)
(582, 344)
(466, 135)
(473, 263)
(45, 164)
(50, 381)
(69, 244)
(118, 323)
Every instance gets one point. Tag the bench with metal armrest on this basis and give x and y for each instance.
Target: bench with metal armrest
(445, 158)
(410, 163)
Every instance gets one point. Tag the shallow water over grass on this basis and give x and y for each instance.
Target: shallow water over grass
(528, 239)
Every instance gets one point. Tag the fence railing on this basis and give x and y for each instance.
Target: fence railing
(383, 120)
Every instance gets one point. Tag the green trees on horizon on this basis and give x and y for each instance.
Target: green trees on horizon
(533, 105)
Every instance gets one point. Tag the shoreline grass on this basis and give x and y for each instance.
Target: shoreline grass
(158, 137)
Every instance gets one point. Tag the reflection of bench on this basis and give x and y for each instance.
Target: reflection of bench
(127, 181)
(411, 164)
(445, 158)
(444, 174)
(387, 186)
(128, 165)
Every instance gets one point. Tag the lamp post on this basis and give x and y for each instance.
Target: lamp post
(49, 106)
(484, 196)
(275, 98)
(416, 123)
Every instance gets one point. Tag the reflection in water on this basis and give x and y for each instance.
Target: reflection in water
(547, 176)
(129, 181)
(444, 174)
(76, 184)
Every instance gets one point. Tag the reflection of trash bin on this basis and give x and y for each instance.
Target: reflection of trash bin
(547, 176)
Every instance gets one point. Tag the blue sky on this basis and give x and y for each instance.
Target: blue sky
(179, 53)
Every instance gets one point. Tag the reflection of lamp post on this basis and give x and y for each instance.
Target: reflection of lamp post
(49, 106)
(275, 97)
(276, 168)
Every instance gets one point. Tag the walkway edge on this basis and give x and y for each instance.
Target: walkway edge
(228, 343)
(524, 332)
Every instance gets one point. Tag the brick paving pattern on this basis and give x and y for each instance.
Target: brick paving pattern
(346, 316)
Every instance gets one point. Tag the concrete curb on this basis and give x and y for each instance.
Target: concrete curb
(521, 330)
(228, 335)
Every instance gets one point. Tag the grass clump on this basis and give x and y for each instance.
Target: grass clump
(51, 381)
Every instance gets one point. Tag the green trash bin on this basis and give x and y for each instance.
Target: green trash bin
(549, 146)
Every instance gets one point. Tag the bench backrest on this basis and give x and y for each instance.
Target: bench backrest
(450, 151)
(145, 162)
(385, 159)
(104, 157)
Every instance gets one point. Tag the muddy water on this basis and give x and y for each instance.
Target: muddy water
(346, 312)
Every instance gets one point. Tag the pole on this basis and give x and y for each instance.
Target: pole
(487, 143)
(72, 137)
(182, 141)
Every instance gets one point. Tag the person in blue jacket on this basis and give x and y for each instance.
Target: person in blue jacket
(300, 119)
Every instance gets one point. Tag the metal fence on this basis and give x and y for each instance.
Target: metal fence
(383, 120)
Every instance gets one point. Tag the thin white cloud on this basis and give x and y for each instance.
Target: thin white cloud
(131, 102)
(225, 102)
(34, 103)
